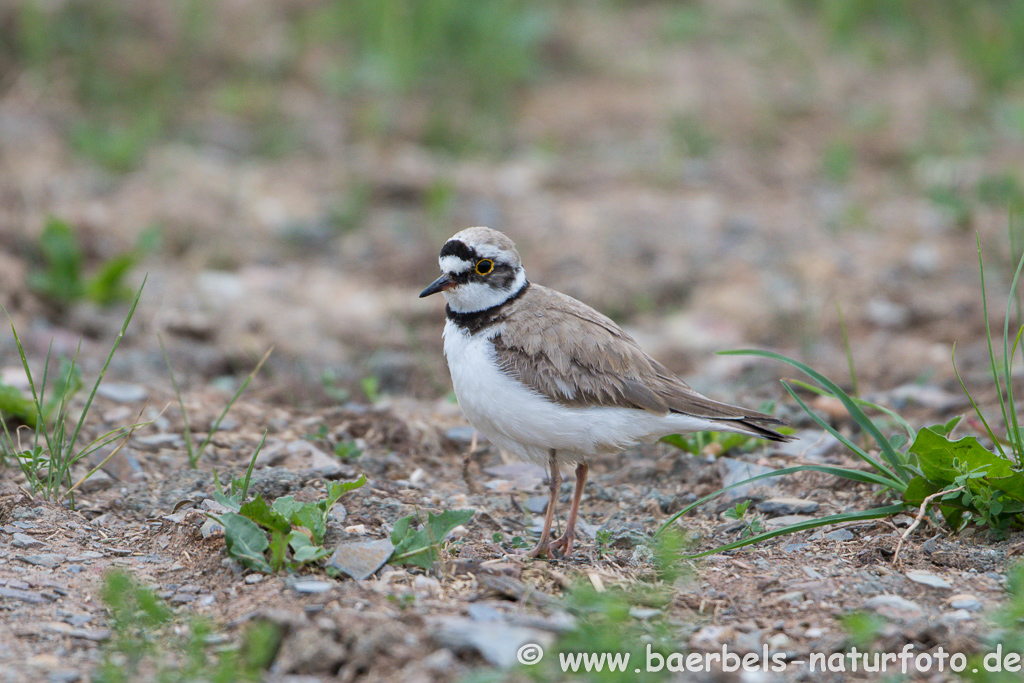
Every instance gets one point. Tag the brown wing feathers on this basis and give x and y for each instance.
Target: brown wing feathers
(584, 358)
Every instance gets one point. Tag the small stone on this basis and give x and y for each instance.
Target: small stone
(253, 578)
(211, 527)
(123, 393)
(311, 586)
(309, 650)
(894, 607)
(97, 481)
(538, 505)
(787, 506)
(361, 559)
(643, 612)
(966, 601)
(784, 521)
(49, 560)
(21, 540)
(735, 471)
(480, 612)
(497, 642)
(461, 435)
(154, 442)
(928, 579)
(840, 535)
(23, 595)
(795, 547)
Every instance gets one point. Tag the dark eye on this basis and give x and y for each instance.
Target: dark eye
(484, 266)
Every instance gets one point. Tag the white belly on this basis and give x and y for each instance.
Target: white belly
(527, 424)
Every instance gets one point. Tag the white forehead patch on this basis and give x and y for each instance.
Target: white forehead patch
(453, 264)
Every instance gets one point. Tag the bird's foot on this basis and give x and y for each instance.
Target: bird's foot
(563, 544)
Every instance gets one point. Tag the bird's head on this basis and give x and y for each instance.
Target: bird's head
(480, 268)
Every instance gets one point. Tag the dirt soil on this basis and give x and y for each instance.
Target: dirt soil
(747, 245)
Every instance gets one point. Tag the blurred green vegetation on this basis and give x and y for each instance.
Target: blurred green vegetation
(119, 76)
(988, 35)
(137, 72)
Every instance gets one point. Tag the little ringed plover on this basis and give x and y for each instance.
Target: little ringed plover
(550, 380)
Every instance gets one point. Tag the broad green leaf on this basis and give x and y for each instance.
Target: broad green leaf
(420, 547)
(278, 546)
(936, 454)
(245, 541)
(14, 404)
(258, 511)
(336, 490)
(287, 506)
(918, 489)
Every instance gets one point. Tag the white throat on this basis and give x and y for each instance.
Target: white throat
(478, 296)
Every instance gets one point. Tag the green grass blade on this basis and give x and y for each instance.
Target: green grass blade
(891, 455)
(873, 513)
(854, 475)
(898, 419)
(857, 450)
(223, 414)
(1012, 425)
(988, 337)
(252, 463)
(192, 457)
(977, 410)
(106, 364)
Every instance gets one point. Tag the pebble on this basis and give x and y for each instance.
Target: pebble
(23, 595)
(538, 505)
(361, 559)
(784, 521)
(795, 547)
(788, 506)
(497, 642)
(839, 535)
(311, 586)
(735, 471)
(154, 442)
(253, 578)
(123, 393)
(211, 527)
(49, 560)
(928, 579)
(461, 435)
(966, 601)
(21, 540)
(894, 607)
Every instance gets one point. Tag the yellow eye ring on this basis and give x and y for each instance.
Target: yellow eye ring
(484, 266)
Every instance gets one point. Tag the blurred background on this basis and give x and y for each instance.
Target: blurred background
(713, 175)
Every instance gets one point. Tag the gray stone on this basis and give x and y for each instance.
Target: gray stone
(154, 442)
(894, 607)
(735, 471)
(784, 521)
(462, 435)
(49, 560)
(497, 642)
(966, 601)
(21, 540)
(361, 559)
(538, 505)
(787, 506)
(311, 586)
(23, 595)
(308, 650)
(123, 393)
(839, 535)
(928, 579)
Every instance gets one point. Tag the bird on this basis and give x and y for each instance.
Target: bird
(550, 380)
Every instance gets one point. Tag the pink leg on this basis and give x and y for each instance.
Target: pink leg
(556, 483)
(566, 539)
